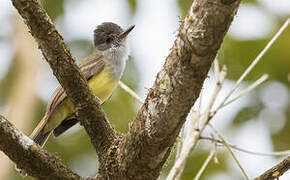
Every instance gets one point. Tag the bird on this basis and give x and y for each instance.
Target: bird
(103, 69)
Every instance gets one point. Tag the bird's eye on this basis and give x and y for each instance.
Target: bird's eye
(109, 40)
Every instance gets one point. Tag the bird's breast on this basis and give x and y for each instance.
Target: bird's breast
(103, 84)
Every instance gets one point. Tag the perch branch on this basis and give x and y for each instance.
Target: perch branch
(176, 88)
(29, 157)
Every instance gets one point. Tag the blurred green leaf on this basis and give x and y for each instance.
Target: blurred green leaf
(184, 6)
(194, 163)
(133, 5)
(247, 113)
(80, 48)
(281, 139)
(249, 1)
(54, 8)
(7, 82)
(238, 55)
(40, 108)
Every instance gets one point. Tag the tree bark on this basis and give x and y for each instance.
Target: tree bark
(29, 157)
(276, 171)
(143, 151)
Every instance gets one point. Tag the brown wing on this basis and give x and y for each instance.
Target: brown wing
(90, 67)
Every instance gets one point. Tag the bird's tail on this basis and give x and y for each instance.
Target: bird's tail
(38, 135)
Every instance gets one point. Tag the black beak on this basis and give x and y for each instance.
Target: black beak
(126, 32)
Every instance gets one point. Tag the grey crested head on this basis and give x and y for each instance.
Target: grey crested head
(110, 35)
(110, 41)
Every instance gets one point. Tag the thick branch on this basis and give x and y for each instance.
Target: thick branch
(64, 68)
(176, 88)
(29, 157)
(276, 171)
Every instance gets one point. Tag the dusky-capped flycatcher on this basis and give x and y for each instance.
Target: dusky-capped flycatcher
(102, 69)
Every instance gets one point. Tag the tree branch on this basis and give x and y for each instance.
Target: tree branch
(176, 88)
(65, 69)
(29, 157)
(276, 171)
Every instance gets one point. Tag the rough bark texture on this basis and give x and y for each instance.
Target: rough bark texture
(30, 157)
(276, 171)
(65, 69)
(143, 151)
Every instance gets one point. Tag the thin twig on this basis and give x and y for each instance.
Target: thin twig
(216, 68)
(205, 164)
(229, 149)
(220, 81)
(248, 89)
(179, 145)
(252, 65)
(137, 97)
(200, 102)
(186, 146)
(192, 137)
(216, 160)
(130, 91)
(276, 153)
(178, 166)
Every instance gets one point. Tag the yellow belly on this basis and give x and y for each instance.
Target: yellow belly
(102, 86)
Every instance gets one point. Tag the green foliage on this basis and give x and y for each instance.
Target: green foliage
(281, 139)
(7, 82)
(249, 112)
(238, 55)
(133, 5)
(40, 108)
(184, 6)
(250, 1)
(195, 161)
(54, 8)
(80, 48)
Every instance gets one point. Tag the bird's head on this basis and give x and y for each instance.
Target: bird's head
(110, 35)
